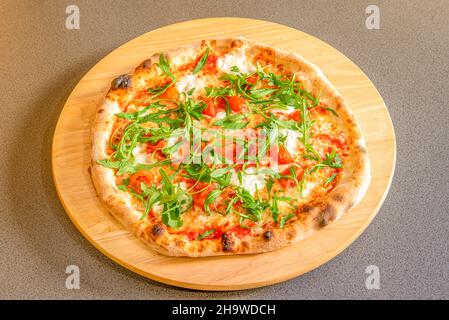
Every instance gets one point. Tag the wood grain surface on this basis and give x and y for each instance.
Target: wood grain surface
(71, 160)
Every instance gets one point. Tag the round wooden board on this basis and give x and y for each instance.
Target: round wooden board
(71, 160)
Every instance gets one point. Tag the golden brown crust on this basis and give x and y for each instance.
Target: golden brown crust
(311, 217)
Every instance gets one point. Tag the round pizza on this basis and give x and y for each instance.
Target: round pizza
(226, 146)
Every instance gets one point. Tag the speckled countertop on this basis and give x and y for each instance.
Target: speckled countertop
(407, 59)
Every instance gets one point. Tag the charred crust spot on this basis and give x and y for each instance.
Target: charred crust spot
(100, 111)
(123, 82)
(290, 234)
(236, 43)
(306, 208)
(146, 64)
(89, 169)
(158, 229)
(327, 215)
(338, 197)
(246, 244)
(268, 235)
(227, 242)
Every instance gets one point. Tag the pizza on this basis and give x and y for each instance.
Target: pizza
(225, 147)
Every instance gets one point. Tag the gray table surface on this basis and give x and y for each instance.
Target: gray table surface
(407, 59)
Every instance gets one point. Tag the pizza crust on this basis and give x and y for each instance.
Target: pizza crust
(350, 189)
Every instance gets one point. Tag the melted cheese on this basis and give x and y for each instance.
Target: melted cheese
(250, 181)
(189, 82)
(287, 111)
(140, 153)
(235, 59)
(220, 115)
(292, 141)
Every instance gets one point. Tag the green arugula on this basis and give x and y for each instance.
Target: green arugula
(202, 62)
(205, 234)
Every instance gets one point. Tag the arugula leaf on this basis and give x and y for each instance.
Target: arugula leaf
(202, 62)
(215, 92)
(254, 207)
(234, 121)
(109, 163)
(330, 110)
(275, 209)
(284, 219)
(269, 182)
(258, 93)
(220, 172)
(150, 202)
(164, 65)
(329, 180)
(211, 197)
(205, 234)
(122, 187)
(230, 204)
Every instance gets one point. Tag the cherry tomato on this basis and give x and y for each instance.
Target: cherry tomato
(203, 189)
(211, 110)
(211, 64)
(239, 231)
(284, 156)
(171, 93)
(139, 177)
(295, 115)
(237, 103)
(288, 182)
(252, 79)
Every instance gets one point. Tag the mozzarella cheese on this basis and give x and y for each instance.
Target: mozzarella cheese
(235, 59)
(220, 115)
(250, 181)
(189, 82)
(140, 153)
(291, 142)
(287, 111)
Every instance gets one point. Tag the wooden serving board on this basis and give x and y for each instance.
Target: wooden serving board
(71, 160)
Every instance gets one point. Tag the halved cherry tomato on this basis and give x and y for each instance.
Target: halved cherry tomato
(288, 182)
(139, 177)
(141, 97)
(156, 149)
(252, 79)
(213, 106)
(284, 156)
(171, 93)
(151, 147)
(203, 190)
(211, 64)
(239, 231)
(237, 103)
(295, 115)
(211, 110)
